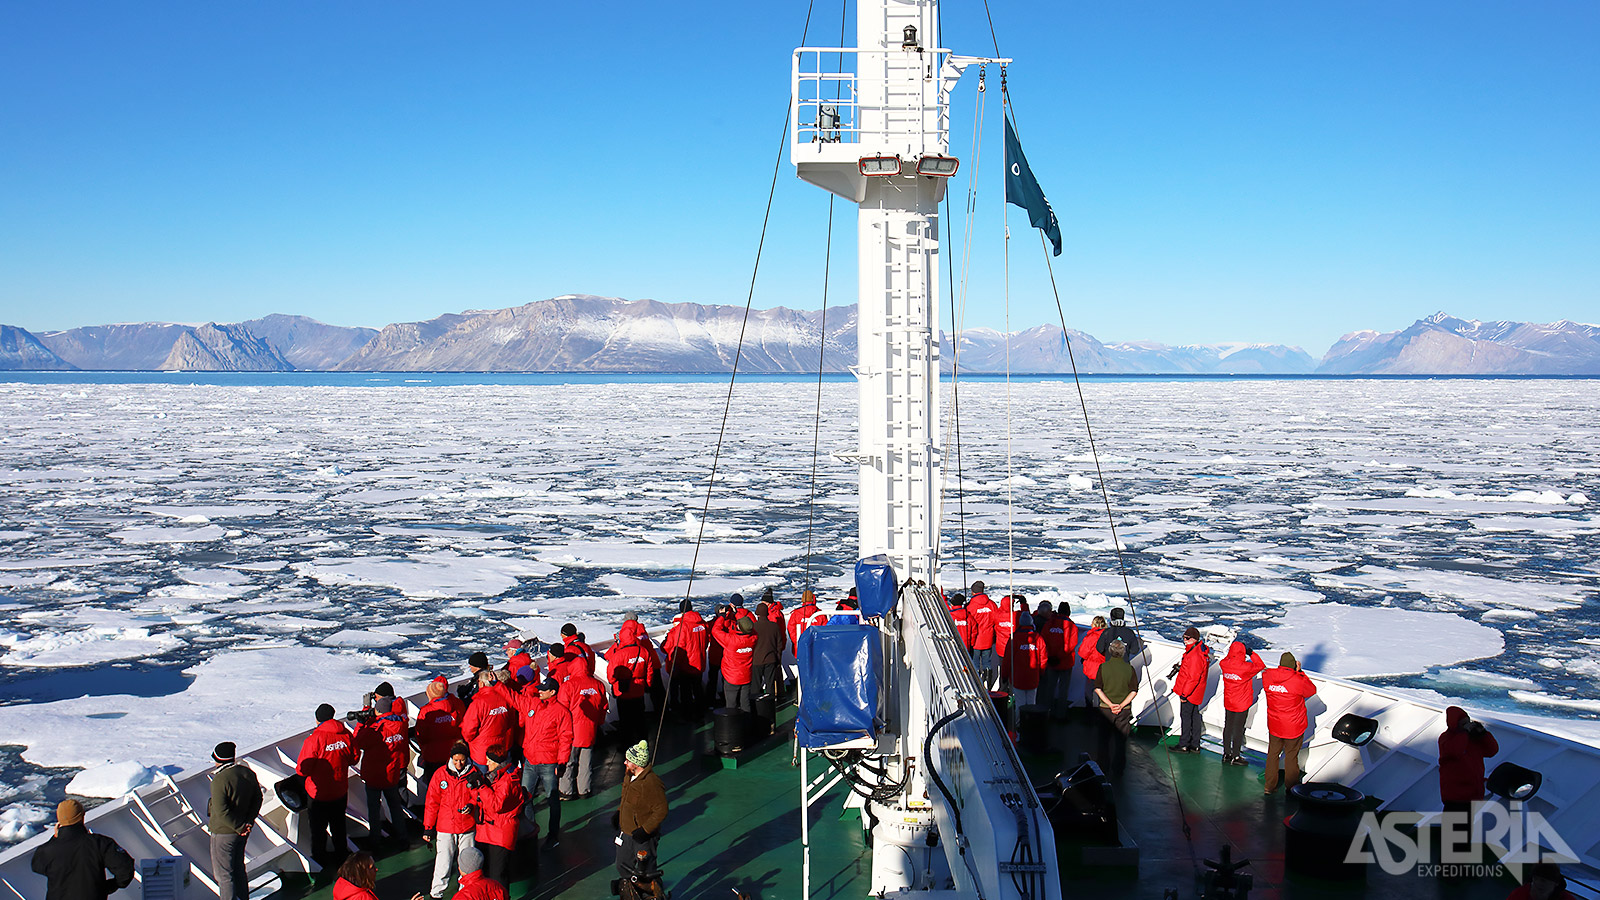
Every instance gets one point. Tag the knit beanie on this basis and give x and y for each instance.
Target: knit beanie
(69, 812)
(1287, 660)
(638, 754)
(324, 712)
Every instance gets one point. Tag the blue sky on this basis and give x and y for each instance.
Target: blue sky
(1255, 171)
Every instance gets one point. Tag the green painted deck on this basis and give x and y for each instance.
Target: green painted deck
(739, 829)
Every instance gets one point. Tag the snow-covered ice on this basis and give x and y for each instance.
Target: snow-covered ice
(1366, 641)
(111, 779)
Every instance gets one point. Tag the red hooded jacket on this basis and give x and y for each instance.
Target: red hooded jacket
(1092, 657)
(1190, 685)
(448, 794)
(805, 616)
(546, 730)
(385, 752)
(1239, 670)
(491, 722)
(1286, 691)
(577, 647)
(628, 661)
(1461, 756)
(500, 803)
(325, 760)
(982, 613)
(1025, 659)
(1005, 622)
(738, 650)
(439, 727)
(686, 642)
(477, 886)
(1060, 639)
(585, 697)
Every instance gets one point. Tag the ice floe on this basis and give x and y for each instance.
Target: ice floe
(111, 779)
(443, 573)
(1367, 641)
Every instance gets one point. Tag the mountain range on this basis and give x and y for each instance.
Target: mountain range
(582, 333)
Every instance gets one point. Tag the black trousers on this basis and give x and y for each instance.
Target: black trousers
(328, 820)
(1233, 733)
(631, 720)
(687, 699)
(628, 854)
(1114, 731)
(765, 680)
(497, 863)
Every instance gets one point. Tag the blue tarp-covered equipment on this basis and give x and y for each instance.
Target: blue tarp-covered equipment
(839, 664)
(876, 587)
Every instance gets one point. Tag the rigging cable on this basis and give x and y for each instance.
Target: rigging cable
(1105, 496)
(733, 377)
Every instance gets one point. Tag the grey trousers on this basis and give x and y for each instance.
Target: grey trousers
(448, 849)
(227, 866)
(580, 770)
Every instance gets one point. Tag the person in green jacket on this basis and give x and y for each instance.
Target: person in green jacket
(235, 802)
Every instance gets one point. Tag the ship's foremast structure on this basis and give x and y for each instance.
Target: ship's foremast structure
(953, 809)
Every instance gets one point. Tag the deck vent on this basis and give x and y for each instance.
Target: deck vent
(163, 877)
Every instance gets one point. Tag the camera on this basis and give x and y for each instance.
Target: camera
(475, 779)
(361, 716)
(1174, 672)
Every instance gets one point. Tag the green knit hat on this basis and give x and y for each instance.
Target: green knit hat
(638, 754)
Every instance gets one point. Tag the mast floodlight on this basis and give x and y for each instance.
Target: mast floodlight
(938, 166)
(909, 42)
(880, 166)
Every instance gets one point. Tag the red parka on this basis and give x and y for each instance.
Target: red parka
(1190, 685)
(385, 752)
(1239, 670)
(478, 886)
(685, 645)
(629, 661)
(738, 650)
(982, 612)
(1060, 639)
(448, 794)
(963, 620)
(344, 890)
(1091, 656)
(1286, 691)
(805, 616)
(325, 760)
(546, 730)
(491, 722)
(1005, 622)
(500, 803)
(1025, 659)
(577, 647)
(585, 697)
(439, 727)
(1461, 756)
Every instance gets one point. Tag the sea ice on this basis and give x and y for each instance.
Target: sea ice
(356, 638)
(111, 779)
(21, 821)
(156, 534)
(443, 573)
(1371, 641)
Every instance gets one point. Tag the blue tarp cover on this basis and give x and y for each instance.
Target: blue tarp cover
(875, 585)
(838, 683)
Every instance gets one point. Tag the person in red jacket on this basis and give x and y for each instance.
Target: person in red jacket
(575, 646)
(1005, 621)
(1060, 640)
(1286, 689)
(491, 719)
(450, 814)
(325, 760)
(358, 879)
(1089, 652)
(585, 697)
(546, 749)
(957, 604)
(1189, 678)
(475, 883)
(685, 648)
(1026, 658)
(385, 757)
(738, 651)
(500, 799)
(628, 663)
(983, 616)
(438, 726)
(1239, 670)
(1463, 747)
(517, 656)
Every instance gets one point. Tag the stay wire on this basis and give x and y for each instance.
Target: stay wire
(733, 377)
(1105, 497)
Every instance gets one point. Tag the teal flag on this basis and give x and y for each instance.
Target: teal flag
(1023, 190)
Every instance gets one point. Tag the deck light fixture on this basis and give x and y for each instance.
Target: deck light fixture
(1357, 731)
(940, 166)
(909, 41)
(1514, 782)
(879, 166)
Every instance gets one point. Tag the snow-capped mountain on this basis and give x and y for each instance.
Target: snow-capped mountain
(20, 349)
(1444, 345)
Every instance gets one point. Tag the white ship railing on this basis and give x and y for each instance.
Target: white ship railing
(827, 78)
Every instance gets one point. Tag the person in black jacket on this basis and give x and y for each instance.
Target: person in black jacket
(74, 863)
(1118, 630)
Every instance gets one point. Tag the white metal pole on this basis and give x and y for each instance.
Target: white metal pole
(805, 827)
